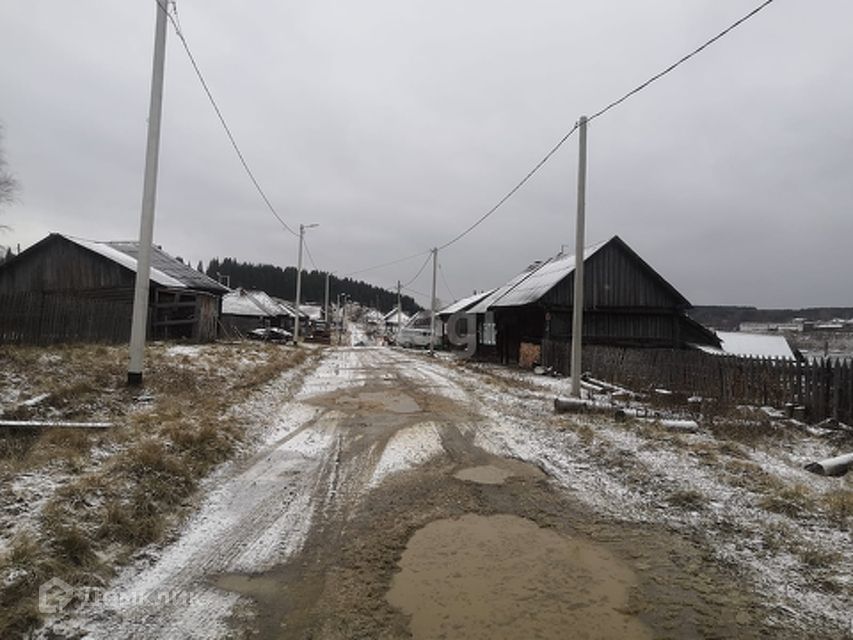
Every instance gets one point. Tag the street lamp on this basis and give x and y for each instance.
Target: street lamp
(302, 228)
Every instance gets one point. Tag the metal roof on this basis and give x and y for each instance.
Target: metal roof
(464, 303)
(534, 282)
(163, 262)
(251, 303)
(543, 279)
(165, 270)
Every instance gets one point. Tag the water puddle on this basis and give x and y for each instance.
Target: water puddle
(502, 576)
(486, 474)
(390, 401)
(499, 472)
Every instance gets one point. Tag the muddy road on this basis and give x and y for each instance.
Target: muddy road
(384, 503)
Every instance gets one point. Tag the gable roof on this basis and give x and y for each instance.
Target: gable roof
(165, 270)
(542, 276)
(465, 303)
(242, 302)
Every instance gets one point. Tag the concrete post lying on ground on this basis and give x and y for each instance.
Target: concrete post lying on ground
(834, 467)
(55, 423)
(570, 405)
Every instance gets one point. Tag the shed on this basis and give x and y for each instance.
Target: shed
(754, 345)
(626, 303)
(84, 291)
(244, 310)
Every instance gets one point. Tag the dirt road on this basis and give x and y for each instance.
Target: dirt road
(398, 496)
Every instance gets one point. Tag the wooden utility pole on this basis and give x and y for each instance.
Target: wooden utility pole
(577, 308)
(139, 325)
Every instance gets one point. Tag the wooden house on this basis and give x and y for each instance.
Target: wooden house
(626, 303)
(81, 282)
(244, 310)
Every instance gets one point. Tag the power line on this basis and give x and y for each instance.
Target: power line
(387, 264)
(512, 191)
(420, 271)
(308, 253)
(179, 32)
(446, 286)
(680, 61)
(601, 112)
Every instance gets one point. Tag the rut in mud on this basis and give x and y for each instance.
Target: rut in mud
(430, 540)
(373, 510)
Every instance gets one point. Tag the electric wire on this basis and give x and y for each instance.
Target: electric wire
(446, 286)
(600, 113)
(680, 61)
(420, 271)
(308, 253)
(179, 32)
(387, 264)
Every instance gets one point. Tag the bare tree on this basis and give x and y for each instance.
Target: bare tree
(8, 184)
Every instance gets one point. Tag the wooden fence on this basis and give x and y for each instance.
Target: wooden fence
(36, 318)
(823, 387)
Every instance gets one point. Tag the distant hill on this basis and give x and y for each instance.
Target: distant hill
(728, 318)
(281, 283)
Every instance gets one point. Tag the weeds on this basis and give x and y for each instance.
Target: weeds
(687, 499)
(150, 463)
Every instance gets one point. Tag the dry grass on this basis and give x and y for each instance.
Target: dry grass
(687, 499)
(157, 454)
(838, 505)
(791, 501)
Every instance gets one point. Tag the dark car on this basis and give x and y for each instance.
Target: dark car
(271, 334)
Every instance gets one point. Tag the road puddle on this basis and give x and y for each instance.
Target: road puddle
(388, 401)
(502, 576)
(485, 474)
(498, 472)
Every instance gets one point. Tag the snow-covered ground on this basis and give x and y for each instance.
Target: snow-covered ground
(258, 510)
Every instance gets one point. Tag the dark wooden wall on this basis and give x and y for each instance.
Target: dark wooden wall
(59, 266)
(615, 278)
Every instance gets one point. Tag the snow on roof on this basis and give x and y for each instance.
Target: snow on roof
(464, 303)
(126, 261)
(313, 311)
(751, 344)
(251, 303)
(534, 282)
(165, 270)
(391, 317)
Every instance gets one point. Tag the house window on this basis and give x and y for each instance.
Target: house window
(488, 333)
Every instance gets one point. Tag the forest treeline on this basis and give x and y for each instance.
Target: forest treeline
(281, 283)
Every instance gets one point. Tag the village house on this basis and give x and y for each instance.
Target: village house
(69, 289)
(626, 303)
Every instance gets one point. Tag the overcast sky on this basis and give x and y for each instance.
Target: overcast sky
(394, 124)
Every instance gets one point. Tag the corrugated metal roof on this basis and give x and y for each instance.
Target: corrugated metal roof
(165, 270)
(251, 303)
(464, 303)
(119, 257)
(162, 261)
(532, 283)
(752, 344)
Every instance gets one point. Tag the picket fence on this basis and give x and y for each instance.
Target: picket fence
(823, 386)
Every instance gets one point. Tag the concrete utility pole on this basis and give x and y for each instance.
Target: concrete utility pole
(399, 314)
(326, 304)
(302, 228)
(139, 325)
(577, 308)
(432, 302)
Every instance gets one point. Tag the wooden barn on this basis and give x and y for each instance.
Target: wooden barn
(244, 310)
(65, 288)
(626, 303)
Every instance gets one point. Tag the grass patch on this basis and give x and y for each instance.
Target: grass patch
(687, 499)
(838, 505)
(789, 501)
(149, 464)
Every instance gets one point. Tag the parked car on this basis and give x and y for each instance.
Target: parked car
(321, 332)
(271, 334)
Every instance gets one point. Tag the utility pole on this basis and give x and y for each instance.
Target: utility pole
(139, 323)
(577, 308)
(326, 305)
(432, 302)
(302, 228)
(399, 314)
